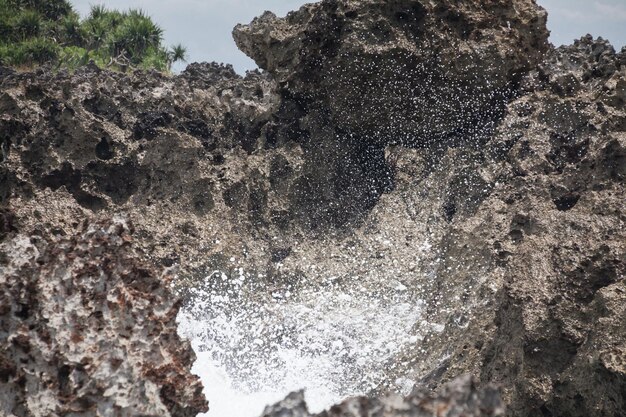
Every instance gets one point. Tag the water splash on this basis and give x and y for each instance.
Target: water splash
(256, 343)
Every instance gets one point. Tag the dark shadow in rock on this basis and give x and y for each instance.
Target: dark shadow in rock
(8, 222)
(148, 123)
(235, 195)
(566, 202)
(280, 254)
(66, 176)
(341, 182)
(8, 105)
(119, 182)
(72, 178)
(34, 93)
(550, 355)
(105, 108)
(280, 170)
(89, 201)
(202, 202)
(12, 132)
(566, 150)
(449, 210)
(614, 161)
(594, 273)
(104, 149)
(433, 379)
(281, 219)
(200, 130)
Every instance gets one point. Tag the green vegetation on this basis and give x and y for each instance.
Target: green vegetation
(34, 32)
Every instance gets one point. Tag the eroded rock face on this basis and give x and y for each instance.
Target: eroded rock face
(356, 76)
(401, 71)
(442, 149)
(534, 254)
(563, 261)
(460, 397)
(168, 150)
(89, 329)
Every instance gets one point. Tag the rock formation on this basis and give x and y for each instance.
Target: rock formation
(399, 71)
(459, 398)
(443, 145)
(88, 329)
(535, 248)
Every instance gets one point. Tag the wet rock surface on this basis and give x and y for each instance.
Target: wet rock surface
(357, 76)
(460, 397)
(403, 71)
(444, 152)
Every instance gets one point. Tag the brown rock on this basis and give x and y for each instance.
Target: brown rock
(440, 144)
(88, 328)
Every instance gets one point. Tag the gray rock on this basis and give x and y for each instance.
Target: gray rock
(405, 71)
(459, 398)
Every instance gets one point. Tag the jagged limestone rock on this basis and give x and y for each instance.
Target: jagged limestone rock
(534, 255)
(459, 398)
(440, 145)
(402, 71)
(87, 328)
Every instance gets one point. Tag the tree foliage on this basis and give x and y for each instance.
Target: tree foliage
(35, 32)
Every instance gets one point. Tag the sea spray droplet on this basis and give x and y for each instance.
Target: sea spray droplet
(259, 344)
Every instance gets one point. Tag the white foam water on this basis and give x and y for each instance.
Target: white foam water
(255, 344)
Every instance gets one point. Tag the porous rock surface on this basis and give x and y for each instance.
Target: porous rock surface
(459, 398)
(443, 146)
(401, 71)
(88, 329)
(535, 250)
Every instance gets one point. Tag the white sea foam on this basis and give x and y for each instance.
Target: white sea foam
(256, 345)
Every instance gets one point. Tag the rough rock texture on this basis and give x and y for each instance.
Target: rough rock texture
(535, 256)
(400, 71)
(442, 146)
(158, 148)
(459, 398)
(356, 76)
(88, 329)
(563, 257)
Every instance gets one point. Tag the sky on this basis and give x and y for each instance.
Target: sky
(204, 26)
